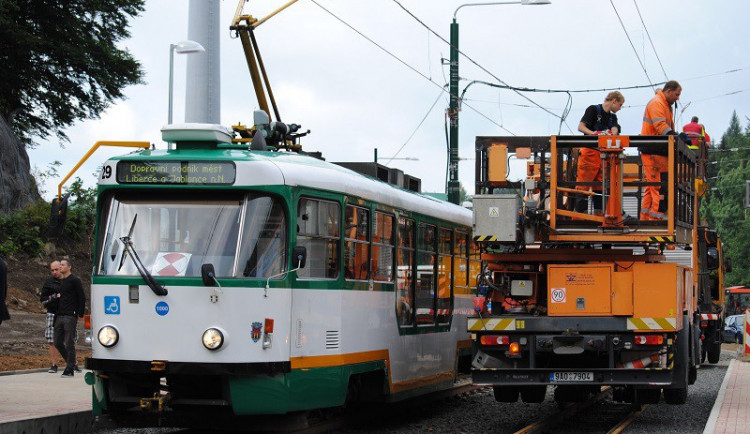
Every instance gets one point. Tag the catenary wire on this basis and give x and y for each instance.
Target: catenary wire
(470, 59)
(417, 128)
(635, 2)
(631, 42)
(341, 20)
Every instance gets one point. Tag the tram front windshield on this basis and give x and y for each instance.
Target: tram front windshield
(243, 236)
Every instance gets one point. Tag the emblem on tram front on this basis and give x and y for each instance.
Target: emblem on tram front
(256, 331)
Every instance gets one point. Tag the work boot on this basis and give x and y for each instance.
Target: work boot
(76, 368)
(52, 369)
(68, 372)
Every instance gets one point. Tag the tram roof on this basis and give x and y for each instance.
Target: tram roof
(256, 168)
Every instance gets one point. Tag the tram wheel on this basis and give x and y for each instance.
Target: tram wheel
(505, 393)
(533, 394)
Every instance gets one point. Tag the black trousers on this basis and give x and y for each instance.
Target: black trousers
(65, 333)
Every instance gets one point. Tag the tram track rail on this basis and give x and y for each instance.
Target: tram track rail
(342, 418)
(550, 421)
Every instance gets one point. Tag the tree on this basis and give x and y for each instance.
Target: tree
(724, 205)
(60, 63)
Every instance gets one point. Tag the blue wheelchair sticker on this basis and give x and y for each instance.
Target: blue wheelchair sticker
(162, 308)
(112, 305)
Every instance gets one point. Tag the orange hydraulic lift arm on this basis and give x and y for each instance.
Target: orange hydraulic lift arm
(252, 53)
(144, 145)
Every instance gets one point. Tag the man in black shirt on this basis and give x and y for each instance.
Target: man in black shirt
(597, 120)
(72, 303)
(50, 299)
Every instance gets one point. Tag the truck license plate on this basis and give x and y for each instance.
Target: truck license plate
(570, 377)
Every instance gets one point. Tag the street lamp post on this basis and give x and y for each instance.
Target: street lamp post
(182, 47)
(453, 183)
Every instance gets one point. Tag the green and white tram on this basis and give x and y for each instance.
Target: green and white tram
(266, 282)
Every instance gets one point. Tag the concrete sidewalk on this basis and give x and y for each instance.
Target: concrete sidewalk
(31, 402)
(731, 412)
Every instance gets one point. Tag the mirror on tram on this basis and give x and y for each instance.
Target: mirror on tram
(300, 254)
(58, 212)
(208, 274)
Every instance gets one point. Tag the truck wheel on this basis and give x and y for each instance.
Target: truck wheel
(533, 394)
(676, 396)
(692, 374)
(714, 352)
(505, 393)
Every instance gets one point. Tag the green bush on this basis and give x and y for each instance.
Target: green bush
(24, 232)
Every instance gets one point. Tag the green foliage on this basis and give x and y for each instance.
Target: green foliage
(25, 231)
(62, 62)
(724, 206)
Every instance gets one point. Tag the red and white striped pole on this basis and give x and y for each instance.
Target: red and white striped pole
(746, 337)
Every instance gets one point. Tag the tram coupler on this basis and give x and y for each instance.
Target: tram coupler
(155, 404)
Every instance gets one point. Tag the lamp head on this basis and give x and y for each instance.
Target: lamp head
(187, 47)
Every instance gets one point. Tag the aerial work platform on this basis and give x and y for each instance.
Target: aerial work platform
(552, 164)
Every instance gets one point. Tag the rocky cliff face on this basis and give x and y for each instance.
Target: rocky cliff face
(17, 187)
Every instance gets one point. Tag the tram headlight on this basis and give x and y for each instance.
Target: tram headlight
(108, 336)
(213, 339)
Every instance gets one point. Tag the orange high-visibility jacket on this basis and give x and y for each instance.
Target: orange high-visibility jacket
(657, 119)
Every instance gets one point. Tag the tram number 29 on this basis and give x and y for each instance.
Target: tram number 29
(106, 172)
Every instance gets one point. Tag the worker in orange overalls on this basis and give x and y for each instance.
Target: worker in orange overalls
(657, 121)
(598, 119)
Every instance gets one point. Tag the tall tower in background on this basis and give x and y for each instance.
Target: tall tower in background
(203, 99)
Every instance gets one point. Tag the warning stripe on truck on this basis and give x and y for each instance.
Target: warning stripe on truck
(662, 239)
(482, 238)
(491, 324)
(709, 316)
(652, 323)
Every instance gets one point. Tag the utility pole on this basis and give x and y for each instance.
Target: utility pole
(453, 184)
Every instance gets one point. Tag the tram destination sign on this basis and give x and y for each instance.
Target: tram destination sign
(176, 172)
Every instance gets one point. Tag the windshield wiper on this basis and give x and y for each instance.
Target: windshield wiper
(129, 250)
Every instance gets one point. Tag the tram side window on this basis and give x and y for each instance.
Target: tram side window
(357, 244)
(318, 229)
(263, 248)
(382, 248)
(461, 264)
(426, 264)
(405, 272)
(445, 252)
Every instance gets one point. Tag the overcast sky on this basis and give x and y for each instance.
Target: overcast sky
(354, 96)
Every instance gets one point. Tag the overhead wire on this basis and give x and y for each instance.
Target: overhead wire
(635, 2)
(631, 43)
(403, 62)
(470, 59)
(417, 128)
